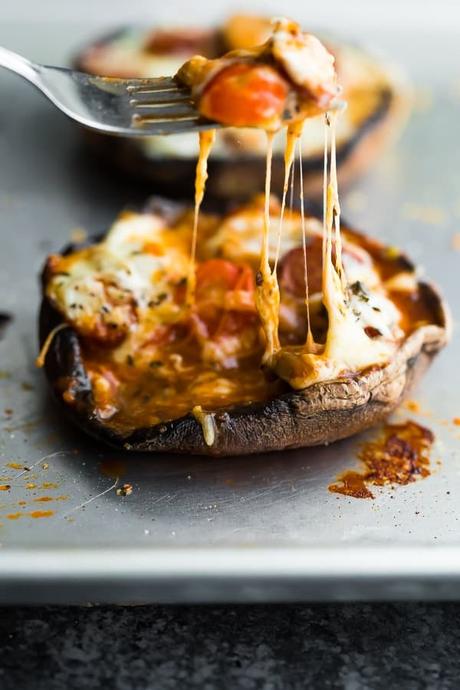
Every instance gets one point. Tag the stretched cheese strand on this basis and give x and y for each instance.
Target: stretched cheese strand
(335, 200)
(325, 190)
(331, 214)
(347, 347)
(333, 295)
(267, 293)
(293, 134)
(206, 141)
(291, 191)
(331, 206)
(310, 343)
(267, 289)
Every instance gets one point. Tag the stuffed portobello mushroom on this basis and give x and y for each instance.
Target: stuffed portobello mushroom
(138, 365)
(377, 106)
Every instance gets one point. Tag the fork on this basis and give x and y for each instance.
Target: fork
(121, 107)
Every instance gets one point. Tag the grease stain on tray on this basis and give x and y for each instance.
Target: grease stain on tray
(35, 514)
(47, 499)
(399, 455)
(41, 513)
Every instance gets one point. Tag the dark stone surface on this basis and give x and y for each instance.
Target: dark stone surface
(351, 646)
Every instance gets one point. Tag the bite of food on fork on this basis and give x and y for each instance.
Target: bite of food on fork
(192, 99)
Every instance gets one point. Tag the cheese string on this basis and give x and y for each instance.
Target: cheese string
(335, 200)
(264, 258)
(293, 134)
(333, 279)
(291, 191)
(310, 343)
(325, 195)
(201, 175)
(267, 289)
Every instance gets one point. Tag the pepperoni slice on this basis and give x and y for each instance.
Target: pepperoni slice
(292, 273)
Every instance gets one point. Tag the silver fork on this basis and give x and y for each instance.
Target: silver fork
(123, 107)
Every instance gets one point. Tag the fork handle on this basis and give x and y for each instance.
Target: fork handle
(16, 63)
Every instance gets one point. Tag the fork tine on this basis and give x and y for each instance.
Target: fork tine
(139, 107)
(174, 126)
(153, 85)
(155, 111)
(149, 98)
(139, 120)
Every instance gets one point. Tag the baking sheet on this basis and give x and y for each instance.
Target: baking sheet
(247, 529)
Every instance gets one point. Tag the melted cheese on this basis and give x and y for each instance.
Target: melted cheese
(206, 141)
(310, 343)
(267, 289)
(348, 348)
(122, 289)
(294, 132)
(40, 361)
(207, 423)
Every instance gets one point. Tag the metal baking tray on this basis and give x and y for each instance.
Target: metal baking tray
(260, 528)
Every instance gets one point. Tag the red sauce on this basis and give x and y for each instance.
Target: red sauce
(415, 310)
(399, 455)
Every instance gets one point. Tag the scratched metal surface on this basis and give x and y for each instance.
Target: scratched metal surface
(256, 528)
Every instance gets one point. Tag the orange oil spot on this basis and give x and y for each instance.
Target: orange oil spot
(41, 513)
(14, 516)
